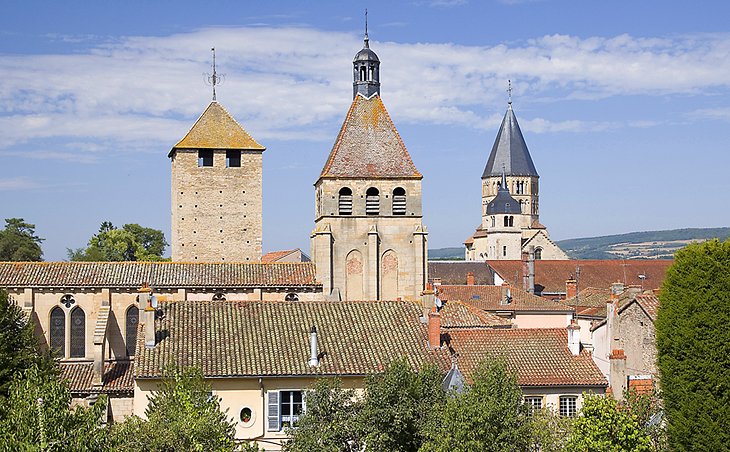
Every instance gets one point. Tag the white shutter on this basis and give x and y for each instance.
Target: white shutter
(273, 415)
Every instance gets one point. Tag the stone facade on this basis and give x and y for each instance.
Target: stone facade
(216, 210)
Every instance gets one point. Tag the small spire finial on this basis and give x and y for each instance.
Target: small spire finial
(509, 92)
(504, 177)
(214, 79)
(367, 39)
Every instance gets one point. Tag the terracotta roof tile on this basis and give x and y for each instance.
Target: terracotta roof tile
(368, 145)
(274, 256)
(272, 338)
(648, 302)
(456, 314)
(550, 276)
(117, 378)
(455, 272)
(157, 274)
(216, 129)
(489, 298)
(540, 357)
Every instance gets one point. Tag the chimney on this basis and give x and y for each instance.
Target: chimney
(313, 359)
(574, 337)
(436, 282)
(525, 270)
(434, 329)
(617, 288)
(147, 314)
(470, 279)
(617, 374)
(428, 300)
(506, 294)
(531, 270)
(571, 288)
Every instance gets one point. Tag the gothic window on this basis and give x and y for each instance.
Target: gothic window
(291, 297)
(58, 332)
(372, 201)
(233, 159)
(205, 157)
(78, 333)
(538, 253)
(131, 322)
(399, 201)
(345, 201)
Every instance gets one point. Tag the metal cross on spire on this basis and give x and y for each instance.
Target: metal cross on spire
(214, 79)
(509, 92)
(367, 40)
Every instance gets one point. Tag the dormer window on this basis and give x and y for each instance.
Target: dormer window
(345, 201)
(399, 201)
(372, 201)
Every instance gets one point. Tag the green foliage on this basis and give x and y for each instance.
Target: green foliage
(649, 412)
(131, 243)
(400, 405)
(604, 427)
(182, 415)
(330, 423)
(18, 242)
(692, 329)
(488, 416)
(18, 345)
(37, 417)
(550, 431)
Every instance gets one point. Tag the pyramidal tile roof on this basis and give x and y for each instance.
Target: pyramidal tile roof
(509, 151)
(217, 129)
(368, 145)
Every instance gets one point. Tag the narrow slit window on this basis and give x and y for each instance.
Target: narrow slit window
(58, 332)
(233, 159)
(399, 201)
(205, 157)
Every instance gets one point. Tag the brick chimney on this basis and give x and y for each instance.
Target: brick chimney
(434, 329)
(571, 288)
(470, 279)
(574, 337)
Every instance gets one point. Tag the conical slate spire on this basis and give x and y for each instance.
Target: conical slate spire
(509, 151)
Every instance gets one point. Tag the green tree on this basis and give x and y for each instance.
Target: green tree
(488, 416)
(603, 426)
(131, 243)
(400, 406)
(693, 348)
(37, 416)
(18, 241)
(330, 423)
(18, 345)
(650, 414)
(550, 431)
(182, 415)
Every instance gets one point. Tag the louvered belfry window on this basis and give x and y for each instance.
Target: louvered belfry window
(58, 332)
(372, 201)
(132, 321)
(78, 333)
(345, 201)
(399, 201)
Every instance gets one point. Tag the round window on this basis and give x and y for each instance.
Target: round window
(246, 415)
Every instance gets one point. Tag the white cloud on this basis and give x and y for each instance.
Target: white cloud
(294, 83)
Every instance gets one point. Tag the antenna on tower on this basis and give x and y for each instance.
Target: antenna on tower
(214, 79)
(509, 92)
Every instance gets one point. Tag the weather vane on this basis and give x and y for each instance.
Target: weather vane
(509, 92)
(366, 27)
(214, 79)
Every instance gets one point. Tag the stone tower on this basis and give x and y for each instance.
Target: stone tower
(369, 242)
(216, 191)
(510, 204)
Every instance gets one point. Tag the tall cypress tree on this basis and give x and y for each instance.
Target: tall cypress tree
(693, 341)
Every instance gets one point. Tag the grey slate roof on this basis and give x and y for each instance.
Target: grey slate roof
(509, 151)
(503, 202)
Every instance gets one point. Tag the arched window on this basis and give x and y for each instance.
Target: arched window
(131, 322)
(291, 297)
(362, 73)
(506, 221)
(538, 253)
(58, 332)
(78, 333)
(372, 201)
(399, 201)
(511, 221)
(345, 201)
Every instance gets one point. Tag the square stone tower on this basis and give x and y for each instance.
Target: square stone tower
(216, 191)
(369, 242)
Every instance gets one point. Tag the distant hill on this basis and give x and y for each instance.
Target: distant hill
(639, 245)
(633, 245)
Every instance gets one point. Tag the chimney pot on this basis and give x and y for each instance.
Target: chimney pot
(313, 356)
(470, 279)
(571, 288)
(574, 337)
(434, 329)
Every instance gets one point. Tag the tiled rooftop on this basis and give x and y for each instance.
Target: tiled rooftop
(274, 256)
(540, 357)
(455, 272)
(117, 378)
(550, 276)
(157, 274)
(489, 298)
(216, 129)
(456, 314)
(227, 339)
(368, 145)
(648, 302)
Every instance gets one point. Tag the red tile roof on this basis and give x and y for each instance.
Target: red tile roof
(648, 302)
(158, 274)
(490, 298)
(540, 357)
(451, 272)
(274, 256)
(550, 276)
(117, 378)
(369, 146)
(456, 314)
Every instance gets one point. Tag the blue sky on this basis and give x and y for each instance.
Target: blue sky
(624, 106)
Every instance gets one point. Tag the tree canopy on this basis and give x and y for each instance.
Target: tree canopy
(130, 243)
(693, 348)
(18, 242)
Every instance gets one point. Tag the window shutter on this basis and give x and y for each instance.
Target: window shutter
(273, 402)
